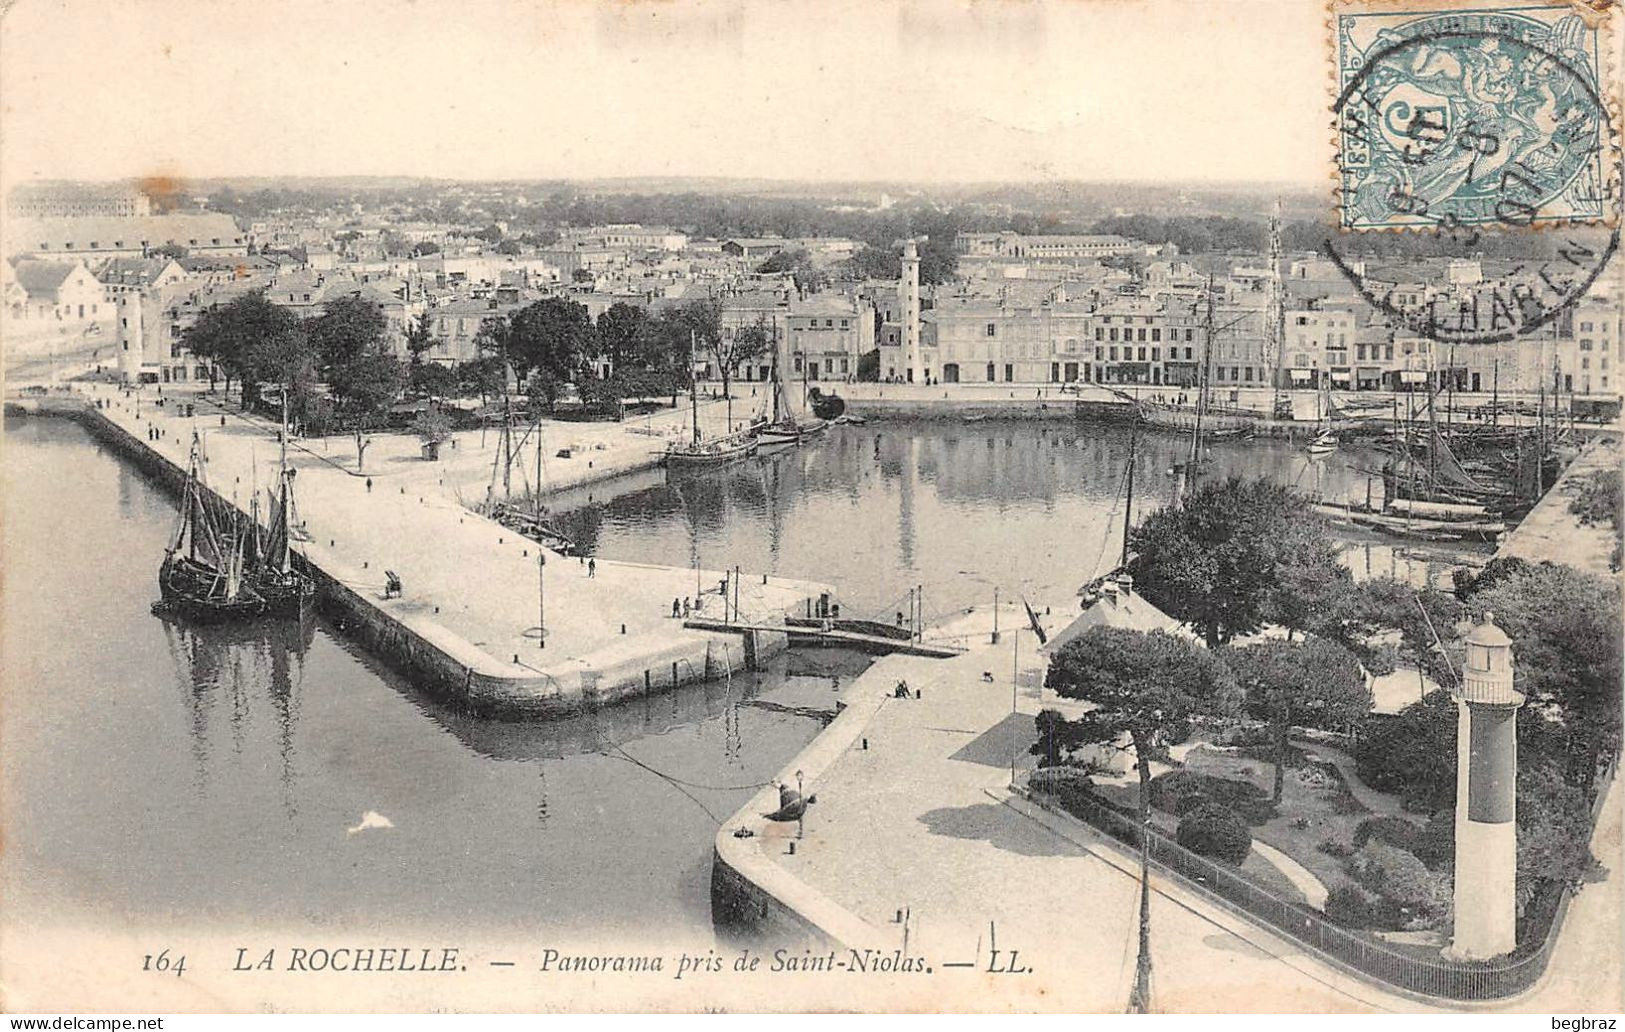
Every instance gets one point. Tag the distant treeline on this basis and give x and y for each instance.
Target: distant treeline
(723, 215)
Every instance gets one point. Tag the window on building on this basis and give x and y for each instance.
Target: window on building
(1585, 362)
(1156, 354)
(1099, 333)
(1188, 351)
(1141, 333)
(1188, 335)
(992, 329)
(990, 376)
(1388, 351)
(1235, 373)
(1098, 355)
(1249, 373)
(1156, 333)
(1009, 373)
(1114, 354)
(1585, 343)
(1142, 355)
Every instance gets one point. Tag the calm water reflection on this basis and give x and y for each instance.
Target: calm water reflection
(149, 768)
(1030, 507)
(153, 769)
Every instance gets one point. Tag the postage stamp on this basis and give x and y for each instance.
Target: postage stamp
(1472, 115)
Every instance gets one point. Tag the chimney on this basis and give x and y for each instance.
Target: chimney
(1108, 591)
(1125, 584)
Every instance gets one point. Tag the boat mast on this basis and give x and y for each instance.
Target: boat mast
(1277, 315)
(693, 388)
(1495, 393)
(1205, 377)
(1128, 500)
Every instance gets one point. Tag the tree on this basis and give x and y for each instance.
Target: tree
(1565, 632)
(1418, 615)
(1312, 594)
(509, 247)
(545, 342)
(433, 380)
(1413, 754)
(747, 344)
(1554, 829)
(251, 339)
(425, 247)
(1145, 687)
(169, 250)
(434, 429)
(365, 378)
(1214, 560)
(875, 263)
(1313, 683)
(481, 377)
(419, 340)
(619, 334)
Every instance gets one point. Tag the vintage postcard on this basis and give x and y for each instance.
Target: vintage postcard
(914, 506)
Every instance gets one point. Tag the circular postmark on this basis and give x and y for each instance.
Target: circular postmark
(1457, 123)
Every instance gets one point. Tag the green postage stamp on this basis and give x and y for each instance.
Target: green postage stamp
(1473, 115)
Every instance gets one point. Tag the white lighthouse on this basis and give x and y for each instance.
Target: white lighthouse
(1486, 798)
(908, 291)
(131, 338)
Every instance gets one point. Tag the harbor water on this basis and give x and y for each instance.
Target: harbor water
(138, 748)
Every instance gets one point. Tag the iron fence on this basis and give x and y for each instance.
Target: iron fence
(1457, 980)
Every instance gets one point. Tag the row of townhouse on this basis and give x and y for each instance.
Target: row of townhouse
(1337, 343)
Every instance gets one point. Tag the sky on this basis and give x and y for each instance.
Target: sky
(915, 90)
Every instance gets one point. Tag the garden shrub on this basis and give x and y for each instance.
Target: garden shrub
(1335, 847)
(1216, 831)
(1179, 792)
(1434, 844)
(1353, 907)
(1419, 897)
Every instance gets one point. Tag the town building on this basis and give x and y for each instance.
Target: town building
(76, 200)
(61, 291)
(132, 236)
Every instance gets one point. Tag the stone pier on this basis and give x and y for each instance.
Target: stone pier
(476, 594)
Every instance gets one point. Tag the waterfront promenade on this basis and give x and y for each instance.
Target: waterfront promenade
(914, 815)
(474, 595)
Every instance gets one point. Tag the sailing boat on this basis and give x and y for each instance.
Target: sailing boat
(1325, 441)
(698, 452)
(210, 580)
(783, 427)
(287, 591)
(1203, 419)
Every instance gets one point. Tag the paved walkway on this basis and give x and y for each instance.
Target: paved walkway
(1552, 532)
(913, 821)
(1380, 803)
(918, 823)
(463, 573)
(1313, 889)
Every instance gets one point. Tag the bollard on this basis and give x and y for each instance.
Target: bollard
(792, 847)
(524, 553)
(516, 657)
(866, 745)
(437, 609)
(363, 564)
(623, 628)
(330, 542)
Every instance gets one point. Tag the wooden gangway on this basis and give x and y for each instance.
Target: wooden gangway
(832, 635)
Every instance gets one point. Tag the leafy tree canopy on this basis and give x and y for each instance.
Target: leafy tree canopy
(1215, 560)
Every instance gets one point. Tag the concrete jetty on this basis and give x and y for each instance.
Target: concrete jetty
(476, 594)
(917, 843)
(1552, 532)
